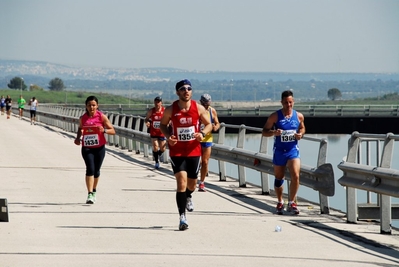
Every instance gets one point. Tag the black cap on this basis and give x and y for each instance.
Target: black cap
(158, 98)
(181, 83)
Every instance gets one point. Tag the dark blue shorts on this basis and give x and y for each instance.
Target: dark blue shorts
(206, 144)
(281, 156)
(160, 138)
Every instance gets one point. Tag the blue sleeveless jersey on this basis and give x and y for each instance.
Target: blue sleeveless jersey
(286, 141)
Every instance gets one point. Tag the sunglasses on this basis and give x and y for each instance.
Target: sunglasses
(183, 88)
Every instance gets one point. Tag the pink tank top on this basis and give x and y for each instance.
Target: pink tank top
(91, 135)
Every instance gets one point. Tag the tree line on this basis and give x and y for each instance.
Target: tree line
(224, 90)
(18, 83)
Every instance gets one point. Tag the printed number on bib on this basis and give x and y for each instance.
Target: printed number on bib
(91, 140)
(288, 136)
(156, 124)
(185, 133)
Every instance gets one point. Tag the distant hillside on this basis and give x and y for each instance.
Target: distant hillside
(12, 68)
(223, 86)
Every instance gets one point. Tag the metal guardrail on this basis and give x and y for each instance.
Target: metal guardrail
(266, 109)
(132, 135)
(378, 178)
(319, 178)
(319, 110)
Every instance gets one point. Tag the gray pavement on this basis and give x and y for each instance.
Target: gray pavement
(135, 219)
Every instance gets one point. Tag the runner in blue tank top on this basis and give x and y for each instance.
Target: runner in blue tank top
(287, 126)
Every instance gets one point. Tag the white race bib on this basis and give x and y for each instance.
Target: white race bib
(185, 133)
(156, 124)
(91, 140)
(288, 136)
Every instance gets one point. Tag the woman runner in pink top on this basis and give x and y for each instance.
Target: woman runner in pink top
(92, 127)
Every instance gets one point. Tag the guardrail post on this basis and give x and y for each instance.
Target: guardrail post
(111, 138)
(77, 115)
(130, 141)
(385, 201)
(145, 146)
(222, 164)
(351, 194)
(123, 139)
(321, 159)
(264, 180)
(117, 123)
(137, 128)
(240, 144)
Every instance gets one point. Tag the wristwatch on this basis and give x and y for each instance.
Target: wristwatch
(203, 134)
(105, 130)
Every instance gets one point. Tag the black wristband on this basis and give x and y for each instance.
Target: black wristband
(203, 134)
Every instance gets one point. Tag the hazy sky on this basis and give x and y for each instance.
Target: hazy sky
(226, 35)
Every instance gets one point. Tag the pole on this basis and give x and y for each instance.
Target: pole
(22, 81)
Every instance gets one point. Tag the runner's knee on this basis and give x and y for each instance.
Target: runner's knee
(278, 182)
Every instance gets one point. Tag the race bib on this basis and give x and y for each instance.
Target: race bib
(156, 124)
(90, 136)
(185, 133)
(91, 140)
(288, 136)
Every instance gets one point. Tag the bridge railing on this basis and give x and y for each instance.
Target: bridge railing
(319, 177)
(318, 110)
(132, 135)
(266, 109)
(374, 175)
(360, 172)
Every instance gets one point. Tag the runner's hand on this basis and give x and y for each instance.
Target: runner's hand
(172, 140)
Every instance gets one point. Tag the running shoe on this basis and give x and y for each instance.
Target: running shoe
(189, 204)
(94, 197)
(183, 223)
(90, 199)
(280, 208)
(201, 187)
(293, 209)
(156, 165)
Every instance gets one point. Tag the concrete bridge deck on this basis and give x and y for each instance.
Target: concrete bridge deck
(135, 220)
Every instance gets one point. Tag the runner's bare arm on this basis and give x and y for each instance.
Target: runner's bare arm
(301, 129)
(268, 128)
(216, 123)
(78, 133)
(167, 115)
(204, 120)
(108, 128)
(147, 118)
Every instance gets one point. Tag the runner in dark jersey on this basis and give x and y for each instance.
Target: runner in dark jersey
(8, 102)
(287, 126)
(184, 115)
